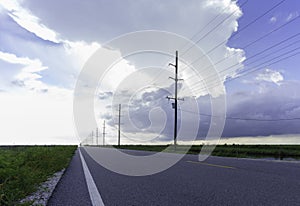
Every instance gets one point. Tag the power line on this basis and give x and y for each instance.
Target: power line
(202, 29)
(251, 71)
(276, 29)
(209, 23)
(214, 28)
(248, 45)
(282, 59)
(246, 119)
(272, 31)
(257, 18)
(261, 66)
(279, 50)
(257, 54)
(236, 118)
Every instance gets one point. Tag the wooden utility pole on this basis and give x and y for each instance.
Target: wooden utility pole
(97, 136)
(119, 127)
(92, 137)
(103, 134)
(175, 98)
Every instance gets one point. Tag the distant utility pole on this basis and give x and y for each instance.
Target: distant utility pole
(92, 137)
(103, 133)
(97, 136)
(119, 128)
(175, 98)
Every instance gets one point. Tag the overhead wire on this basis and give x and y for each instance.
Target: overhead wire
(247, 59)
(215, 27)
(255, 55)
(261, 66)
(201, 30)
(244, 119)
(246, 46)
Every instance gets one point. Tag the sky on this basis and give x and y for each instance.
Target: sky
(251, 58)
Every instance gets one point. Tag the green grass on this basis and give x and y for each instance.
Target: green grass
(259, 151)
(23, 168)
(256, 151)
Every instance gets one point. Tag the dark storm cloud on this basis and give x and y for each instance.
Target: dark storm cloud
(104, 95)
(18, 83)
(275, 102)
(140, 107)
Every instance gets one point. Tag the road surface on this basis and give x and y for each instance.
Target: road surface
(217, 181)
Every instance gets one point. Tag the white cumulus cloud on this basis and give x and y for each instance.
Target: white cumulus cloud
(273, 19)
(270, 76)
(28, 21)
(292, 15)
(77, 32)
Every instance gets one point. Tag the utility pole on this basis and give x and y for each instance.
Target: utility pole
(119, 128)
(103, 133)
(92, 137)
(97, 136)
(175, 98)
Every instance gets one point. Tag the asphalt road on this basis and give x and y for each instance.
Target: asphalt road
(217, 181)
(72, 188)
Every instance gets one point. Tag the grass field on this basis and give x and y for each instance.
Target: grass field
(23, 168)
(256, 151)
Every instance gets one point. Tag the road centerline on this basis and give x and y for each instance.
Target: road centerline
(212, 165)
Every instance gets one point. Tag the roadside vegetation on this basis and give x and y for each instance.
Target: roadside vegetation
(23, 168)
(254, 151)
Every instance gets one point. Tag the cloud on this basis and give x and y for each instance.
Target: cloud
(119, 17)
(105, 95)
(28, 117)
(226, 6)
(283, 17)
(80, 51)
(269, 75)
(41, 112)
(11, 58)
(28, 21)
(274, 102)
(292, 15)
(55, 39)
(73, 49)
(273, 19)
(107, 21)
(63, 60)
(29, 75)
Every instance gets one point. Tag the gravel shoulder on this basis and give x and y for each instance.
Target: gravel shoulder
(45, 190)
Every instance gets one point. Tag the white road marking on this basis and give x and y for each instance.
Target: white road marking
(213, 165)
(93, 191)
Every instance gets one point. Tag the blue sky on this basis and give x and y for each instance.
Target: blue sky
(44, 45)
(277, 17)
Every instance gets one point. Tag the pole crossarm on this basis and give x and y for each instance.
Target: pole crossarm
(175, 79)
(178, 98)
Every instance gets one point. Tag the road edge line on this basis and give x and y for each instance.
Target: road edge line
(92, 188)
